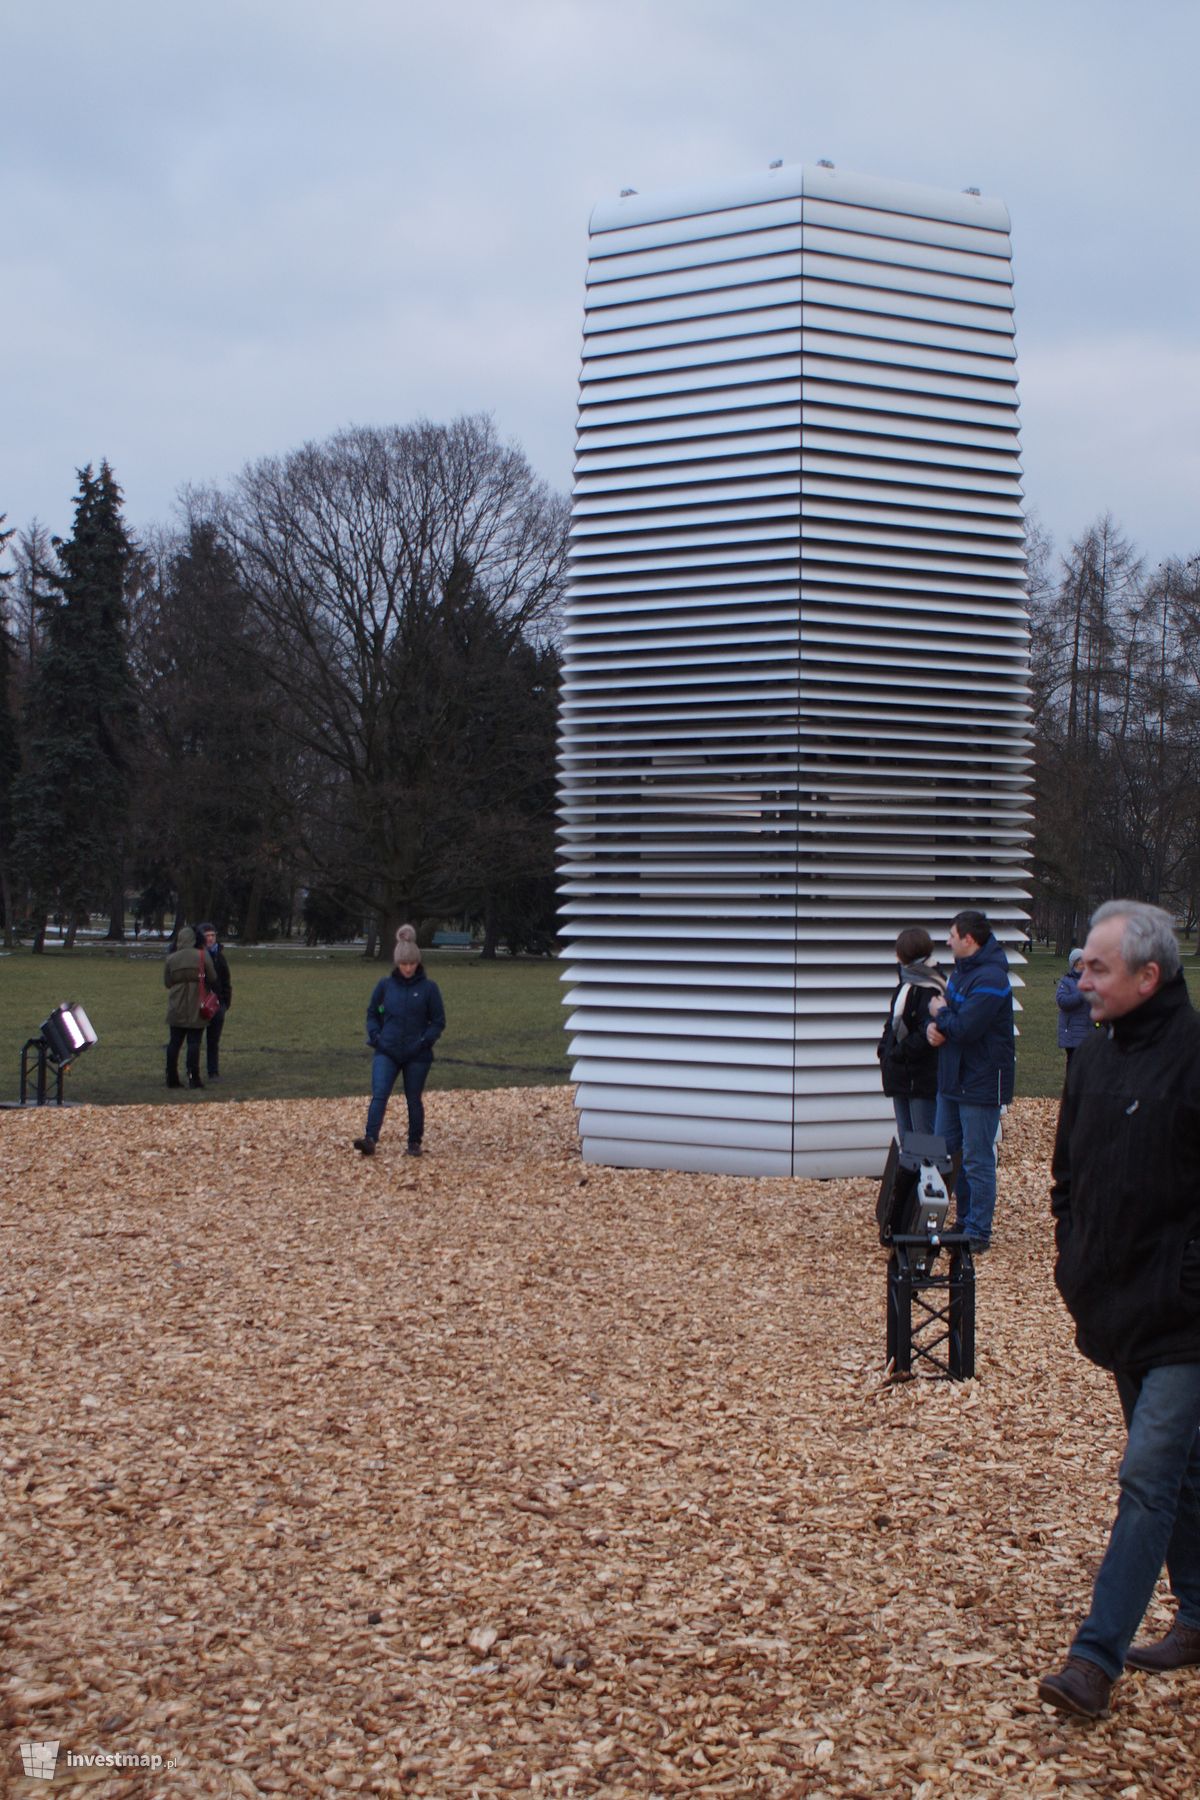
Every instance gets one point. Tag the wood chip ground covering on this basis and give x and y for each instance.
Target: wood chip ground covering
(491, 1473)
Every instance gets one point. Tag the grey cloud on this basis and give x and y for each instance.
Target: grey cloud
(237, 227)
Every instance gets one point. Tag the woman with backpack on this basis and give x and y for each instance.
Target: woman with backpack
(907, 1061)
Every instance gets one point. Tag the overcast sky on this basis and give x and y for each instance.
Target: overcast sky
(233, 227)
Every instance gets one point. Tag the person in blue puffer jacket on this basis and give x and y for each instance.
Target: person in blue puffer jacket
(1074, 1014)
(405, 1018)
(972, 1030)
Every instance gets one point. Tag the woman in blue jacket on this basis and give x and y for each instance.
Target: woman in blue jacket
(1074, 1013)
(405, 1018)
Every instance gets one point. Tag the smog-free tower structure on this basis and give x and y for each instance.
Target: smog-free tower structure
(794, 709)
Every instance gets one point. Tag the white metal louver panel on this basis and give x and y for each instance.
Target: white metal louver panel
(794, 700)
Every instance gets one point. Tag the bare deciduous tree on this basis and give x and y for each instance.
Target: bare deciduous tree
(1117, 731)
(400, 576)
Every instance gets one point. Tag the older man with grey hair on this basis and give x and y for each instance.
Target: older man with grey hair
(1126, 1205)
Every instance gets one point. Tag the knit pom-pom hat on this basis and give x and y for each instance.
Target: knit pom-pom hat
(407, 948)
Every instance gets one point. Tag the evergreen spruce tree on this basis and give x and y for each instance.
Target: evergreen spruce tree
(71, 799)
(10, 764)
(206, 794)
(10, 753)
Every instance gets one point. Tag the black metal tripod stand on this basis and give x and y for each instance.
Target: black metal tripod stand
(928, 1313)
(44, 1062)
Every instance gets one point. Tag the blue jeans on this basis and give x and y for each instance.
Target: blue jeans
(383, 1079)
(913, 1113)
(972, 1129)
(1158, 1515)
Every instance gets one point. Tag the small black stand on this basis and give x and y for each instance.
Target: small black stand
(927, 1312)
(44, 1060)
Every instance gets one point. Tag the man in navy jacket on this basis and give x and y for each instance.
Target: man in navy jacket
(973, 1030)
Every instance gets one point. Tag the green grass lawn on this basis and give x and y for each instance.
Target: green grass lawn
(1041, 1065)
(297, 1028)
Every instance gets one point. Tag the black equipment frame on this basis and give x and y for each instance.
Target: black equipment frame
(44, 1059)
(928, 1312)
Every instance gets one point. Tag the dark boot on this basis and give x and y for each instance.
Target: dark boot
(1080, 1687)
(173, 1078)
(194, 1081)
(366, 1145)
(1178, 1650)
(413, 1150)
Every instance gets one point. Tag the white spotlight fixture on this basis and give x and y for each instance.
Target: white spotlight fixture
(61, 1038)
(67, 1033)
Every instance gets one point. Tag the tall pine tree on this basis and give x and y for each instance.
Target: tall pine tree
(10, 752)
(208, 732)
(71, 800)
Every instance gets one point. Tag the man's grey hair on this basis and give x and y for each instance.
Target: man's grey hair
(1149, 934)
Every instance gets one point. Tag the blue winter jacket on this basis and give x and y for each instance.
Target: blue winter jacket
(405, 1016)
(1074, 1015)
(976, 1064)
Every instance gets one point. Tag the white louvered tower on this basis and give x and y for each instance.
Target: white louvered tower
(794, 712)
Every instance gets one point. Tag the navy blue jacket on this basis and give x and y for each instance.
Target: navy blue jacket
(405, 1016)
(977, 1062)
(1074, 1015)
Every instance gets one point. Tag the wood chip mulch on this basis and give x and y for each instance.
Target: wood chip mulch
(491, 1473)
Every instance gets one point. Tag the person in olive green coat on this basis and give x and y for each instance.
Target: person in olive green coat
(181, 977)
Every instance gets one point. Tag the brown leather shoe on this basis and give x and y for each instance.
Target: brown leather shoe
(1178, 1650)
(1080, 1687)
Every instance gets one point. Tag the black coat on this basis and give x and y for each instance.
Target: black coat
(1126, 1193)
(908, 1065)
(224, 979)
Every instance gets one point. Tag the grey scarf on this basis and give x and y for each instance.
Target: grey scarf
(921, 975)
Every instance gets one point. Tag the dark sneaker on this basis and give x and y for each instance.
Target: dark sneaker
(195, 1081)
(1080, 1687)
(413, 1150)
(366, 1145)
(1178, 1650)
(173, 1081)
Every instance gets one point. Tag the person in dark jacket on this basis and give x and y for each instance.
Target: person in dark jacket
(185, 1022)
(224, 990)
(907, 1061)
(1126, 1206)
(972, 1028)
(405, 1018)
(1074, 1013)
